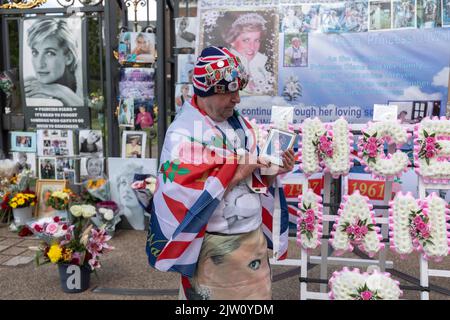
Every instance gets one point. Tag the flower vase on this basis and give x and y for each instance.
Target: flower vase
(22, 215)
(74, 278)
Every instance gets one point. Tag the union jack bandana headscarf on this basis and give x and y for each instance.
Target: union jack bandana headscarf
(218, 71)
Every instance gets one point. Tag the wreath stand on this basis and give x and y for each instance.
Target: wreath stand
(426, 272)
(325, 259)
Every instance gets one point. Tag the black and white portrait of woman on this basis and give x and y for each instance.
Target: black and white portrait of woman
(51, 62)
(121, 175)
(91, 143)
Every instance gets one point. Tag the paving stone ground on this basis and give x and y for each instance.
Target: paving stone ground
(126, 275)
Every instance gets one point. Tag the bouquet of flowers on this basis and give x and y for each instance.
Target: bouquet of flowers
(59, 200)
(77, 243)
(96, 101)
(22, 200)
(107, 216)
(144, 186)
(98, 188)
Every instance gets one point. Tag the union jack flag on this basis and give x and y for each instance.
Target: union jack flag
(196, 168)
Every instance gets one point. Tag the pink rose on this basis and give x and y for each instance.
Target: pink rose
(430, 140)
(363, 230)
(417, 220)
(325, 145)
(373, 154)
(310, 227)
(372, 148)
(366, 295)
(429, 154)
(329, 153)
(426, 234)
(349, 230)
(430, 147)
(421, 226)
(323, 139)
(357, 230)
(309, 212)
(309, 219)
(52, 228)
(372, 140)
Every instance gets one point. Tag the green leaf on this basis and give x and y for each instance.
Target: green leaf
(427, 161)
(164, 178)
(183, 171)
(366, 135)
(433, 135)
(166, 165)
(175, 166)
(171, 176)
(425, 133)
(374, 135)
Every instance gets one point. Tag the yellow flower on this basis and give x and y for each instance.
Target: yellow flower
(33, 204)
(55, 253)
(13, 205)
(21, 202)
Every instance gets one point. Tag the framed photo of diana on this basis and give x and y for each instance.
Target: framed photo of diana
(277, 142)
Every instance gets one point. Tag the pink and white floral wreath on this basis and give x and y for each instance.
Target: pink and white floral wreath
(326, 146)
(352, 285)
(371, 149)
(432, 150)
(355, 225)
(309, 221)
(419, 225)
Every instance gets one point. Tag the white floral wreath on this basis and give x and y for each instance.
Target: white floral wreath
(419, 225)
(352, 285)
(309, 221)
(370, 149)
(355, 225)
(326, 146)
(432, 150)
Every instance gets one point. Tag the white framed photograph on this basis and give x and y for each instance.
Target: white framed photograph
(277, 142)
(126, 112)
(23, 141)
(91, 143)
(186, 63)
(133, 144)
(91, 168)
(47, 168)
(186, 29)
(121, 174)
(55, 143)
(25, 161)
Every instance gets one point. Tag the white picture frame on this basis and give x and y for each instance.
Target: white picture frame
(90, 143)
(134, 144)
(277, 142)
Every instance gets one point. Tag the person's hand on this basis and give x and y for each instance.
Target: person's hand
(34, 88)
(247, 164)
(288, 158)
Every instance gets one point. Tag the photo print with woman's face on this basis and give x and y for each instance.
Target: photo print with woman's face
(47, 168)
(183, 93)
(137, 47)
(23, 141)
(91, 143)
(91, 168)
(51, 57)
(143, 111)
(250, 35)
(133, 144)
(121, 175)
(404, 14)
(185, 31)
(25, 161)
(295, 50)
(380, 15)
(126, 112)
(429, 13)
(186, 63)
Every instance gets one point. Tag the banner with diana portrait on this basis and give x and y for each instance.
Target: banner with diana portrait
(252, 36)
(53, 73)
